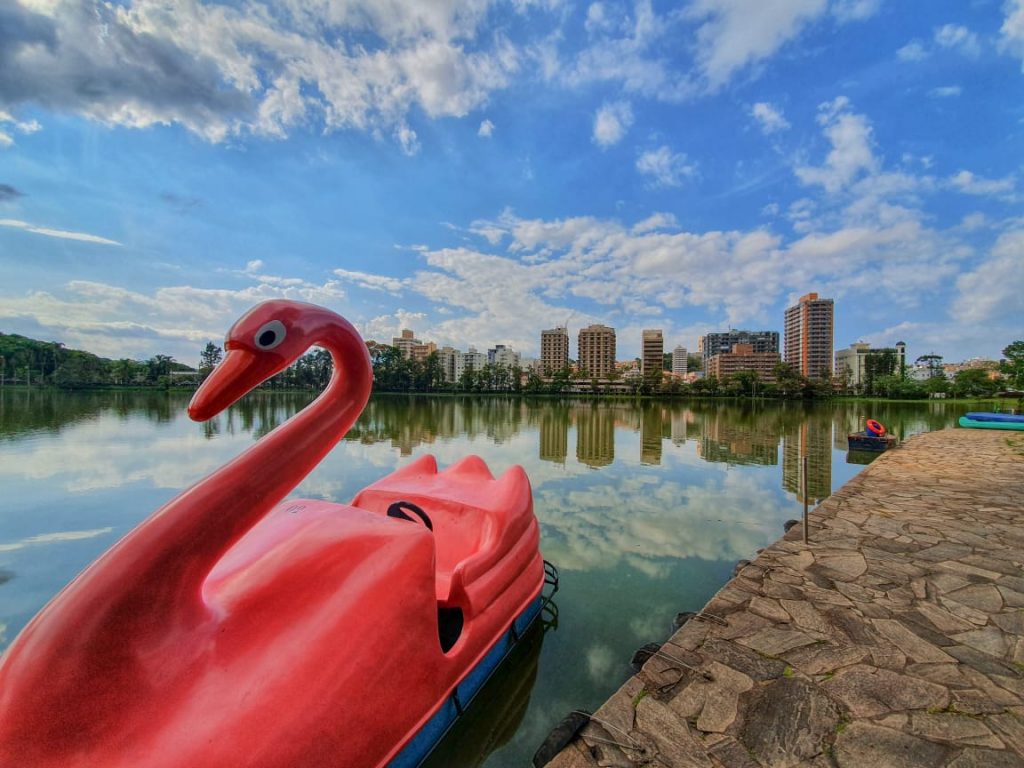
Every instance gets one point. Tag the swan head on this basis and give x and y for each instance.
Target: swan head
(264, 341)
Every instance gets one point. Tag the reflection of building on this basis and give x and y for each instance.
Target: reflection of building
(554, 435)
(652, 360)
(651, 426)
(725, 440)
(813, 439)
(719, 343)
(679, 367)
(861, 363)
(742, 357)
(679, 425)
(597, 350)
(554, 350)
(808, 332)
(595, 436)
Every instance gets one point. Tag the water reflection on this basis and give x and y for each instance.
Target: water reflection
(644, 506)
(497, 712)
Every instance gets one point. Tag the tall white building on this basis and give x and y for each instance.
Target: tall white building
(679, 366)
(471, 360)
(503, 356)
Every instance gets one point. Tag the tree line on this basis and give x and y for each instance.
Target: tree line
(31, 362)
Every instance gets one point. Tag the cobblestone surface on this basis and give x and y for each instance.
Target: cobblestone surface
(895, 638)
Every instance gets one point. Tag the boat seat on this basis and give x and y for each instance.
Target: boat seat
(475, 518)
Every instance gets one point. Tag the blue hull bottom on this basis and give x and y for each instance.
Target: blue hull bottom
(417, 750)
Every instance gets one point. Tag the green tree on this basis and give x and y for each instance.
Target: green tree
(974, 382)
(1013, 366)
(209, 357)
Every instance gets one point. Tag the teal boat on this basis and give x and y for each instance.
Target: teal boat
(980, 420)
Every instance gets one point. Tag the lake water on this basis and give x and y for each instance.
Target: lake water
(644, 507)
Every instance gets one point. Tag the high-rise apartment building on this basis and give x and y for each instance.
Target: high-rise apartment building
(652, 359)
(597, 350)
(447, 357)
(554, 350)
(808, 336)
(741, 358)
(421, 352)
(469, 361)
(679, 364)
(405, 342)
(503, 356)
(721, 343)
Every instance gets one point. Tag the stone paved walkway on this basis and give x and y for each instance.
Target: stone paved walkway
(896, 638)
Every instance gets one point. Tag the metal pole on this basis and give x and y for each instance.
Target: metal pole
(803, 490)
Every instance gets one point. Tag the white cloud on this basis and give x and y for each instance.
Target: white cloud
(958, 38)
(855, 10)
(654, 222)
(611, 123)
(736, 34)
(597, 19)
(113, 321)
(486, 129)
(665, 167)
(632, 58)
(969, 184)
(769, 117)
(230, 70)
(15, 126)
(58, 233)
(372, 282)
(945, 92)
(992, 295)
(851, 154)
(1011, 33)
(912, 51)
(407, 139)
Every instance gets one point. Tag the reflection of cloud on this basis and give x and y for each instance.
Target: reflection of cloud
(600, 662)
(50, 538)
(646, 521)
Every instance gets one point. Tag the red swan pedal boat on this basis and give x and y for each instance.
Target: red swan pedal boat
(232, 628)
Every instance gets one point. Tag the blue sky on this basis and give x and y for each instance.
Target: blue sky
(480, 170)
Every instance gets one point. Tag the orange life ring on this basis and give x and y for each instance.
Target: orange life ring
(875, 428)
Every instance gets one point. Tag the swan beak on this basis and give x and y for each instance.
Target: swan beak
(236, 374)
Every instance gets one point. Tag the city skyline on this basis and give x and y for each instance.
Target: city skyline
(482, 171)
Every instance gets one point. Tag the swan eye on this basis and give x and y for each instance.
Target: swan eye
(270, 335)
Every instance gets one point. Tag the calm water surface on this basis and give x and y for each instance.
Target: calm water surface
(644, 507)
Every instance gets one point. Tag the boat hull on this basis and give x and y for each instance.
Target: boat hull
(971, 423)
(858, 441)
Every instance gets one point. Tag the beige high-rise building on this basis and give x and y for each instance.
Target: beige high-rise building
(554, 350)
(405, 342)
(743, 358)
(597, 350)
(652, 357)
(808, 336)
